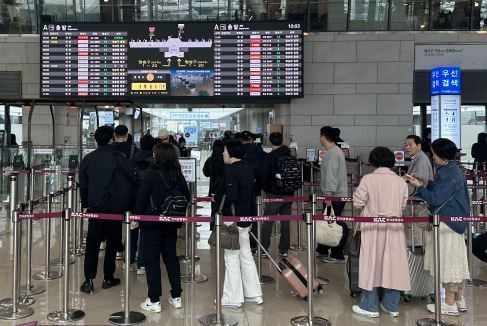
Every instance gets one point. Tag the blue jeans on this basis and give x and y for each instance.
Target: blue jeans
(369, 300)
(134, 239)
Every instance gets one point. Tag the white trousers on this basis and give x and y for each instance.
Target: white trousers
(241, 278)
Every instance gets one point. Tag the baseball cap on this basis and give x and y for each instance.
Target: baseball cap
(246, 135)
(163, 133)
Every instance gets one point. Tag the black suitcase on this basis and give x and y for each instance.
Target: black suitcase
(479, 246)
(352, 272)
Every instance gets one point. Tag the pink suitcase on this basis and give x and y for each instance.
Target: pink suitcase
(294, 272)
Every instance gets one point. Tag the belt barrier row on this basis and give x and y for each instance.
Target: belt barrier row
(17, 310)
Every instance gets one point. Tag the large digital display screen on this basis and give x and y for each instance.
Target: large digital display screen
(172, 59)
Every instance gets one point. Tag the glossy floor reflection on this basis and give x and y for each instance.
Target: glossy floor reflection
(278, 308)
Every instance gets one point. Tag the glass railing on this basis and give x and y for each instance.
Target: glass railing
(23, 16)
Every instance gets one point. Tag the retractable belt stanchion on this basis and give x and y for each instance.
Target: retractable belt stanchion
(322, 280)
(310, 319)
(66, 314)
(300, 209)
(30, 289)
(47, 274)
(15, 311)
(264, 279)
(23, 300)
(80, 249)
(436, 270)
(186, 258)
(60, 261)
(193, 277)
(218, 318)
(127, 317)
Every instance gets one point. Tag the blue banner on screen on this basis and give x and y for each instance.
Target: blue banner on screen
(446, 81)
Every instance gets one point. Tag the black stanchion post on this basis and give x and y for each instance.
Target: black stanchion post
(218, 318)
(30, 289)
(127, 317)
(193, 277)
(310, 319)
(264, 279)
(322, 280)
(47, 274)
(436, 271)
(300, 210)
(66, 314)
(15, 311)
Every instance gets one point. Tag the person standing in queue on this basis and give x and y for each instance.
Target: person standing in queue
(479, 151)
(270, 168)
(420, 163)
(106, 182)
(241, 279)
(214, 168)
(447, 195)
(161, 237)
(333, 183)
(383, 261)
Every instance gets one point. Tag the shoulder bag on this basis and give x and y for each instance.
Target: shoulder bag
(328, 233)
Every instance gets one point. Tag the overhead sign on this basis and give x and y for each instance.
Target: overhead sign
(465, 56)
(446, 81)
(188, 168)
(43, 151)
(189, 115)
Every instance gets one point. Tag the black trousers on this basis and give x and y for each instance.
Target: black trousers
(157, 242)
(277, 209)
(99, 230)
(336, 252)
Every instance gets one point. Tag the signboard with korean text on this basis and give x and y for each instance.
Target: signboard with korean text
(188, 168)
(190, 115)
(446, 104)
(310, 154)
(466, 56)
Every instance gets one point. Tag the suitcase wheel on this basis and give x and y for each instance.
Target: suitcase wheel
(320, 290)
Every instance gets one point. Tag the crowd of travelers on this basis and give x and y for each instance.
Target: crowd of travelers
(118, 176)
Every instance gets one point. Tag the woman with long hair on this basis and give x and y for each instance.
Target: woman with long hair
(214, 168)
(161, 237)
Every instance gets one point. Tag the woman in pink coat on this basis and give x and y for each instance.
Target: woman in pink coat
(383, 260)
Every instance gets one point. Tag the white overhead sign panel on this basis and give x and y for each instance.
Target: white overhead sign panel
(465, 56)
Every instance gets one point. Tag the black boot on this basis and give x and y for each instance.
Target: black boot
(87, 287)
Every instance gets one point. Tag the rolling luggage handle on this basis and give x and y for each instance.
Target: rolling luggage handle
(264, 279)
(322, 280)
(300, 209)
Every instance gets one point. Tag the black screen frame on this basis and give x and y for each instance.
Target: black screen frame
(180, 99)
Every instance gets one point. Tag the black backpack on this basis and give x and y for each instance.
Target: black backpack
(121, 195)
(288, 175)
(174, 202)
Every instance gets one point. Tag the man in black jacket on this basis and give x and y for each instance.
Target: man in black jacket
(269, 171)
(106, 182)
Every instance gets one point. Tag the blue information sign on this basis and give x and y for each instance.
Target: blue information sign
(445, 81)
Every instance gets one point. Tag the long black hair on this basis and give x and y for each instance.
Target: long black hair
(166, 160)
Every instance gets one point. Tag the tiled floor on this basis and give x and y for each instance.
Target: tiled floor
(279, 306)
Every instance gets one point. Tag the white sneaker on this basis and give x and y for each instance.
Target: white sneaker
(445, 309)
(175, 302)
(462, 307)
(147, 305)
(103, 245)
(256, 300)
(390, 313)
(141, 270)
(359, 311)
(119, 256)
(330, 260)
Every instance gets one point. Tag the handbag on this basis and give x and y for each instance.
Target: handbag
(229, 235)
(423, 210)
(328, 233)
(355, 243)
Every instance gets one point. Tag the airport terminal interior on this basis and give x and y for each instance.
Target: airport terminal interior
(378, 70)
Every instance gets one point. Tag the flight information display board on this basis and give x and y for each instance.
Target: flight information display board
(172, 59)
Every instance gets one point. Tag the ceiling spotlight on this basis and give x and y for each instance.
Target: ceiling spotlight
(72, 106)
